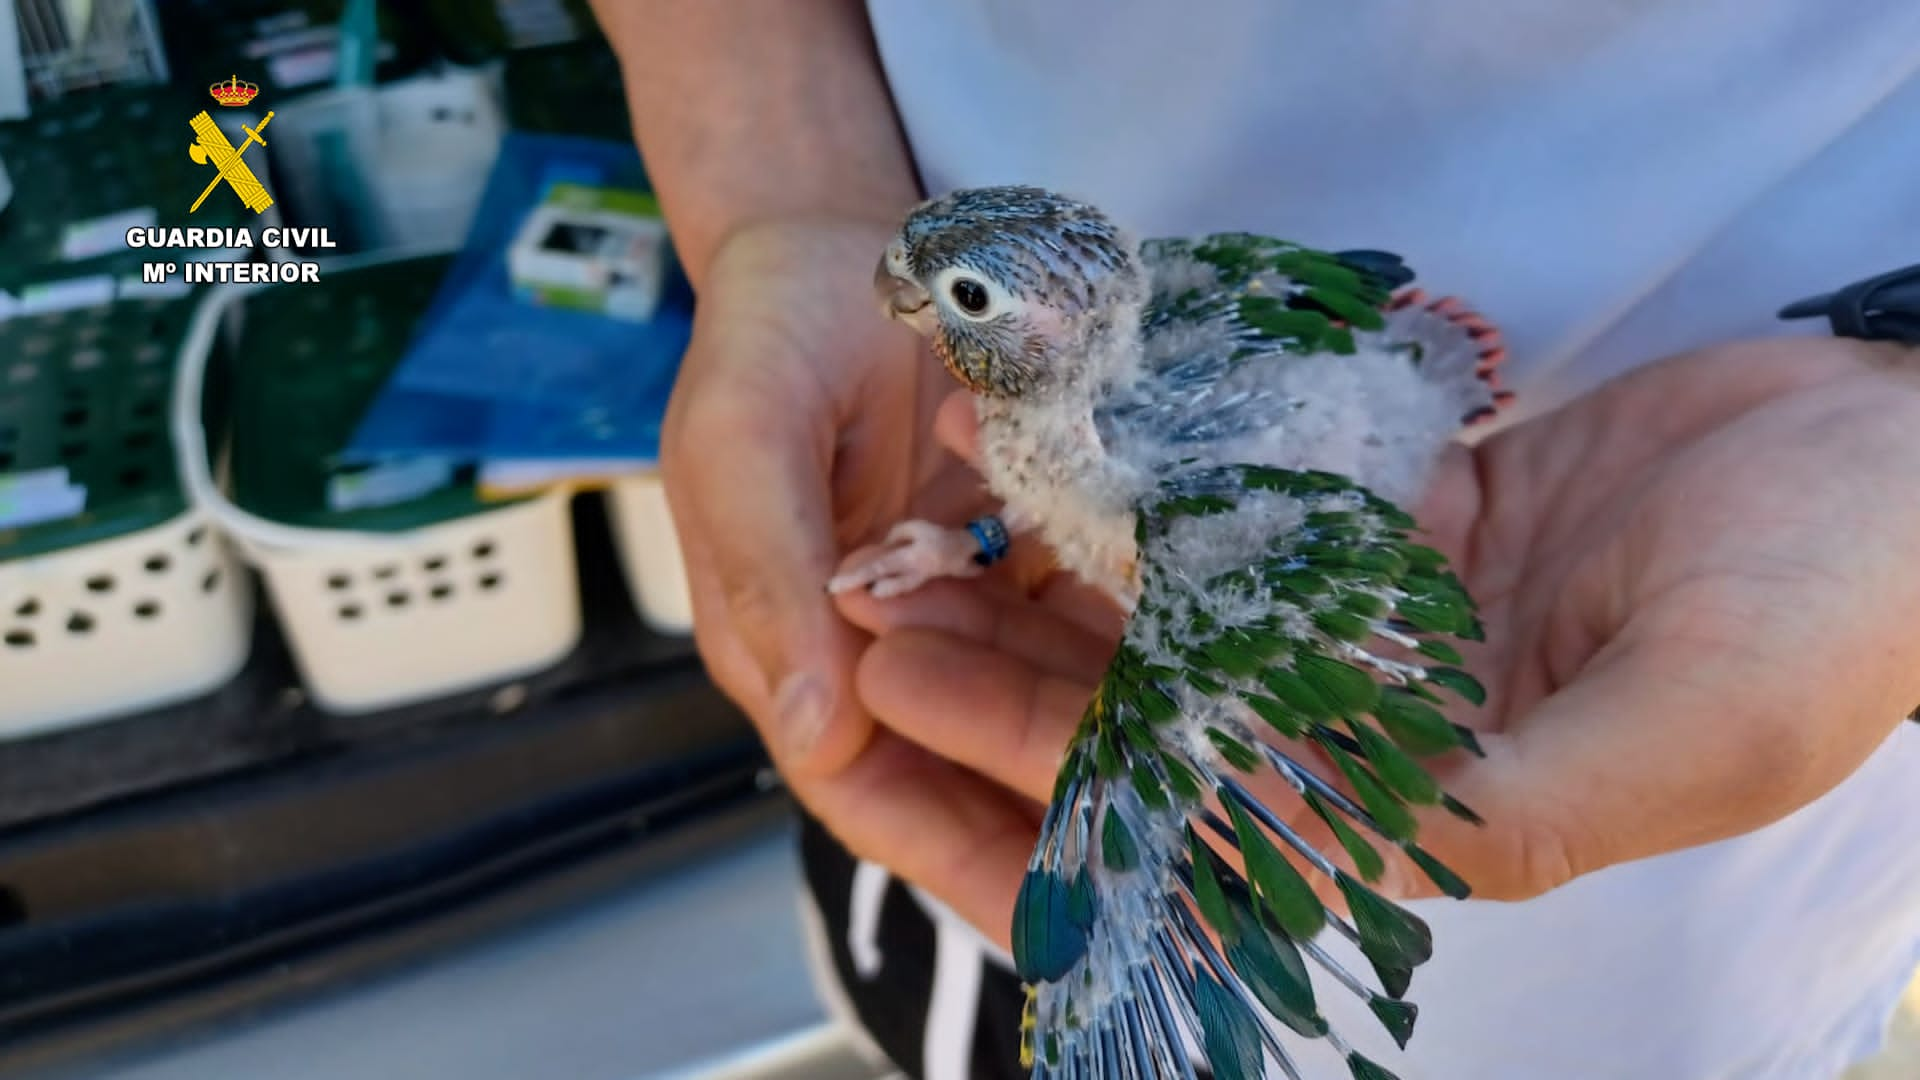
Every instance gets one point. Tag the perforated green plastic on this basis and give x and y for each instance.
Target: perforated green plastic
(567, 89)
(101, 152)
(310, 359)
(473, 31)
(89, 389)
(209, 40)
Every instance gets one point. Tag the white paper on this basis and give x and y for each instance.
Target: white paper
(50, 478)
(91, 291)
(104, 234)
(525, 475)
(37, 497)
(385, 485)
(303, 67)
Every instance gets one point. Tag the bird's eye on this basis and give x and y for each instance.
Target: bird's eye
(970, 295)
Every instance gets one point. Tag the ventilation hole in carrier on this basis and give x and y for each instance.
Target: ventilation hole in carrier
(19, 639)
(484, 549)
(146, 609)
(433, 564)
(79, 623)
(100, 583)
(386, 572)
(349, 612)
(339, 581)
(13, 910)
(398, 599)
(441, 591)
(158, 563)
(197, 536)
(28, 608)
(490, 582)
(211, 583)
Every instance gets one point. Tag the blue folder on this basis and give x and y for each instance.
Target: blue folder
(490, 376)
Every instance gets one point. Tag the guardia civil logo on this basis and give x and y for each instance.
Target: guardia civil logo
(210, 147)
(222, 255)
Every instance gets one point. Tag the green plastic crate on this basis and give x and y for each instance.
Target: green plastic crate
(383, 605)
(90, 389)
(309, 360)
(99, 153)
(568, 89)
(210, 40)
(472, 31)
(134, 603)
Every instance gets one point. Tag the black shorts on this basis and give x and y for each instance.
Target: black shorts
(892, 998)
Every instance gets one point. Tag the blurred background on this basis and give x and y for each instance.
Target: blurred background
(349, 721)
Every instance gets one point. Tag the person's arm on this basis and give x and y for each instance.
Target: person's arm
(751, 114)
(801, 418)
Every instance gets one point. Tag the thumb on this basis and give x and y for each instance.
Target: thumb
(1662, 741)
(748, 483)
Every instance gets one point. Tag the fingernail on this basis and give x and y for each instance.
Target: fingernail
(800, 708)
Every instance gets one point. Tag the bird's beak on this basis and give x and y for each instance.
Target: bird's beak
(903, 298)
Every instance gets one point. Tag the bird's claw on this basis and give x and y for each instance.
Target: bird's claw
(914, 553)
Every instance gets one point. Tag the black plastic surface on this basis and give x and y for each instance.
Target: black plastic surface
(202, 848)
(262, 719)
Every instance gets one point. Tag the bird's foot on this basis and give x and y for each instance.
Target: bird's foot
(914, 553)
(1458, 335)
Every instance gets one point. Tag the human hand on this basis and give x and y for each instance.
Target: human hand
(799, 428)
(1699, 603)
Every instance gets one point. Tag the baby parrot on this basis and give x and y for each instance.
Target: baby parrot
(1220, 432)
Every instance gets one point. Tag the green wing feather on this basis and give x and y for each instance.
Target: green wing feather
(1285, 297)
(1329, 633)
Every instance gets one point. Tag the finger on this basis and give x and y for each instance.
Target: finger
(957, 426)
(1083, 605)
(1013, 722)
(1450, 506)
(759, 514)
(975, 704)
(999, 618)
(938, 826)
(1675, 734)
(728, 663)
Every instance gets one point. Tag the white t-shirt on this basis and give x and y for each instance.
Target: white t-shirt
(1612, 181)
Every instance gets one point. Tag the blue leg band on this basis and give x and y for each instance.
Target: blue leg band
(991, 535)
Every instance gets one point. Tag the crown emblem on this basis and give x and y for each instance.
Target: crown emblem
(233, 92)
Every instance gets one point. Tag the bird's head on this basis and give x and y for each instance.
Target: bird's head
(1018, 289)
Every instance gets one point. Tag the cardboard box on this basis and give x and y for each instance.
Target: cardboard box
(594, 249)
